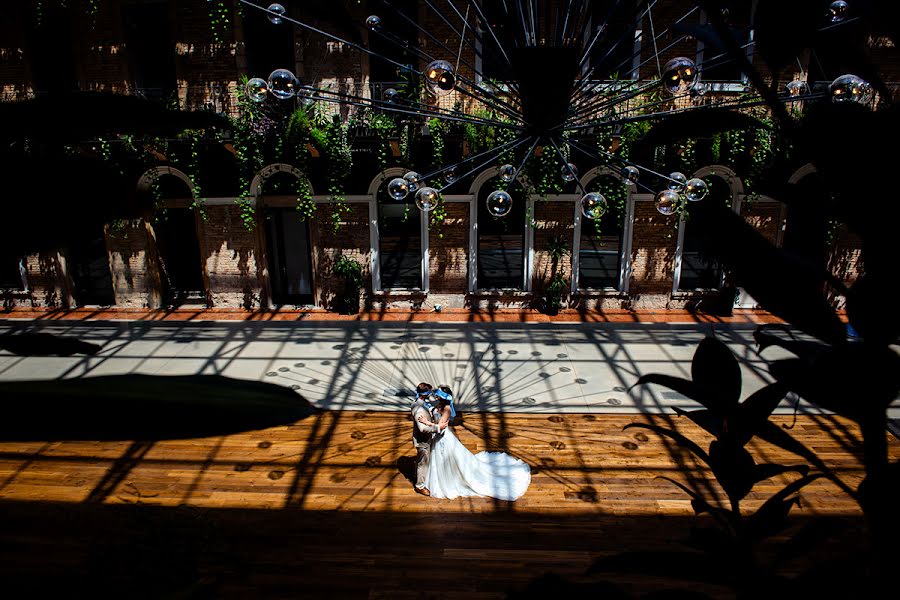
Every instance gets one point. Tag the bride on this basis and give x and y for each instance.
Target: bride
(454, 471)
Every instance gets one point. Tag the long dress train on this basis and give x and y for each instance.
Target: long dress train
(454, 471)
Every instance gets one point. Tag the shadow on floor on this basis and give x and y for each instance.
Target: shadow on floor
(45, 344)
(144, 407)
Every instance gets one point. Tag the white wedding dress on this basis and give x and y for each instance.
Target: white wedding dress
(454, 471)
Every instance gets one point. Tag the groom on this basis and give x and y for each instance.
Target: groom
(424, 430)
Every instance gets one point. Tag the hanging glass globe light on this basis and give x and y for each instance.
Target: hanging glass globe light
(568, 172)
(797, 87)
(257, 89)
(680, 75)
(677, 180)
(397, 188)
(450, 174)
(850, 88)
(593, 205)
(695, 189)
(499, 203)
(837, 11)
(373, 22)
(276, 11)
(427, 198)
(282, 84)
(667, 202)
(413, 181)
(630, 175)
(390, 96)
(440, 78)
(507, 173)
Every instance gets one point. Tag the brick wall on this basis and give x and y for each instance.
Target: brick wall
(352, 240)
(229, 251)
(133, 262)
(764, 216)
(652, 251)
(15, 77)
(46, 280)
(449, 253)
(551, 219)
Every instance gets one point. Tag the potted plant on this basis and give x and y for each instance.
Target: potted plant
(553, 294)
(350, 271)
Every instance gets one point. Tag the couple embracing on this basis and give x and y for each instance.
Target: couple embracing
(445, 468)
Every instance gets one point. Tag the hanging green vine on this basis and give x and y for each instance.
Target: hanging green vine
(218, 20)
(340, 162)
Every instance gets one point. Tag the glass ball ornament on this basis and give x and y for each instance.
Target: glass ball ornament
(507, 173)
(568, 172)
(837, 11)
(391, 96)
(397, 188)
(440, 78)
(413, 181)
(276, 11)
(680, 75)
(850, 88)
(373, 22)
(282, 84)
(593, 205)
(631, 175)
(797, 87)
(450, 175)
(677, 181)
(695, 189)
(499, 203)
(667, 202)
(257, 89)
(427, 198)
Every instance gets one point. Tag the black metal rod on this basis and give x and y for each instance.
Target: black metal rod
(519, 142)
(567, 167)
(589, 152)
(522, 164)
(639, 118)
(329, 36)
(451, 51)
(470, 158)
(371, 103)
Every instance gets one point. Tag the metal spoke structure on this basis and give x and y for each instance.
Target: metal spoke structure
(572, 77)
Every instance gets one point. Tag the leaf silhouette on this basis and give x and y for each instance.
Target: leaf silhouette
(754, 412)
(777, 436)
(716, 372)
(733, 467)
(703, 418)
(784, 285)
(771, 517)
(674, 435)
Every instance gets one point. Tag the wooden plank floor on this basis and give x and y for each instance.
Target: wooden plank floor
(324, 507)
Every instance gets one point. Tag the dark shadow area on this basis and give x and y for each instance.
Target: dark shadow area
(146, 551)
(144, 407)
(46, 344)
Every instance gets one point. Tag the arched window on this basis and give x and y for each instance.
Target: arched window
(288, 240)
(694, 269)
(602, 242)
(175, 228)
(501, 240)
(400, 238)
